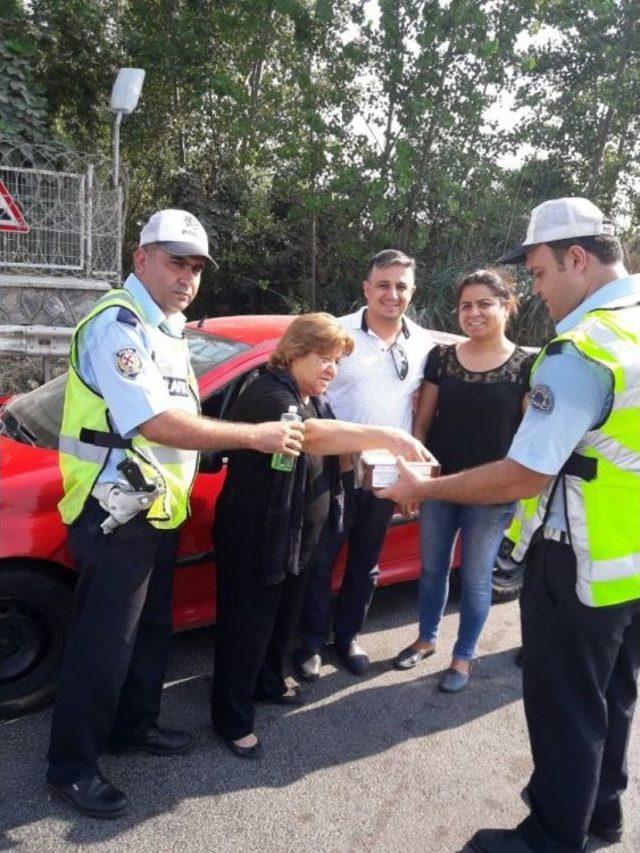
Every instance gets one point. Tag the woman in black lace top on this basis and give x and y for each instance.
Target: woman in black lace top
(471, 403)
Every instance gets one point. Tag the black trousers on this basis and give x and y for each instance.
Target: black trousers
(113, 670)
(580, 667)
(254, 628)
(365, 526)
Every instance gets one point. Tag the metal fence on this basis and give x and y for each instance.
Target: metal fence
(74, 215)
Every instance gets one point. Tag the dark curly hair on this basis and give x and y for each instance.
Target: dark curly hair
(497, 279)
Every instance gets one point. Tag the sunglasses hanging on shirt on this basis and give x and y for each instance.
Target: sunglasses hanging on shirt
(400, 360)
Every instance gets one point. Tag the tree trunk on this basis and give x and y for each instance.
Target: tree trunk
(182, 144)
(412, 198)
(313, 295)
(606, 123)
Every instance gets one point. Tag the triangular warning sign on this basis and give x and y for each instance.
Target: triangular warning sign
(10, 217)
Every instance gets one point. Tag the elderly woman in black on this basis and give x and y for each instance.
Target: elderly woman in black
(268, 521)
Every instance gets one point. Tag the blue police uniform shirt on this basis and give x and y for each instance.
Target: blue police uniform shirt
(570, 395)
(133, 396)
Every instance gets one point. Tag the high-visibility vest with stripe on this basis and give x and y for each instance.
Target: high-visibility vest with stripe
(601, 481)
(87, 435)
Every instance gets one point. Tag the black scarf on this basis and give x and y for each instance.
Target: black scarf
(286, 502)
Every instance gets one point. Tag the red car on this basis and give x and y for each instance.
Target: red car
(36, 568)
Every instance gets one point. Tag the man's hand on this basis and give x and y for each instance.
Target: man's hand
(409, 510)
(409, 486)
(410, 448)
(279, 437)
(175, 428)
(494, 483)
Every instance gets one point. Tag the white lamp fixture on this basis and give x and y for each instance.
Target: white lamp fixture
(126, 90)
(124, 99)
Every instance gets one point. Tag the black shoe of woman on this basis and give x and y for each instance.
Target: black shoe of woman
(291, 696)
(251, 752)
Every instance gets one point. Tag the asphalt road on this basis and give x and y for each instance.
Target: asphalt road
(385, 763)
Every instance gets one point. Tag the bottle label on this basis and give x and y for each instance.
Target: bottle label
(280, 462)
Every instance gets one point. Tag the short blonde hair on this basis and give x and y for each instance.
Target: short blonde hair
(317, 332)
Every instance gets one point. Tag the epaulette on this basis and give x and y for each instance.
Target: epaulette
(127, 316)
(554, 348)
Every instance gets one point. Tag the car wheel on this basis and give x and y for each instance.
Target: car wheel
(35, 607)
(506, 581)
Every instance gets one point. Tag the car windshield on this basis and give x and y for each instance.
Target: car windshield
(36, 417)
(207, 351)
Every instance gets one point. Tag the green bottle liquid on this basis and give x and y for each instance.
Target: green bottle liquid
(280, 462)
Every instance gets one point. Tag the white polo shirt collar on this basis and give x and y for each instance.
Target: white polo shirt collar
(364, 326)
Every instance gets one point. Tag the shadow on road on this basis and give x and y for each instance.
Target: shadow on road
(345, 720)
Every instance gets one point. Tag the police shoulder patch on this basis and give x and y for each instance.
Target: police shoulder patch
(542, 399)
(128, 362)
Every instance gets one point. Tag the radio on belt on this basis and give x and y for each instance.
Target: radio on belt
(125, 500)
(134, 476)
(378, 469)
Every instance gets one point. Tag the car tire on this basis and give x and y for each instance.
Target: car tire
(506, 581)
(35, 609)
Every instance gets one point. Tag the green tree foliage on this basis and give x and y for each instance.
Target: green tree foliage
(76, 61)
(308, 134)
(582, 87)
(23, 109)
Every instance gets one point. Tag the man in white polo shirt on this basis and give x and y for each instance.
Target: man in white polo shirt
(375, 385)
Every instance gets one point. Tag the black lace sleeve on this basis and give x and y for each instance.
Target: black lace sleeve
(527, 364)
(433, 367)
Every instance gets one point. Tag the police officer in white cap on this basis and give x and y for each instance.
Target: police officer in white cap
(129, 445)
(575, 462)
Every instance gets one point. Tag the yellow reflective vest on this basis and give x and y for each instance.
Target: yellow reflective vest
(87, 436)
(601, 481)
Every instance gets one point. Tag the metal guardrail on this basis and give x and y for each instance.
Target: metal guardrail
(45, 341)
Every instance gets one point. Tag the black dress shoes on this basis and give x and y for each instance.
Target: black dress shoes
(93, 796)
(307, 665)
(354, 657)
(155, 741)
(410, 656)
(250, 752)
(500, 841)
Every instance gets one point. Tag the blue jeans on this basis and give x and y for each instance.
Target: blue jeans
(482, 528)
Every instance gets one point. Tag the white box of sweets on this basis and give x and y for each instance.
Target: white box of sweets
(378, 469)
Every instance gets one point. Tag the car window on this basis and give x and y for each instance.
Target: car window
(207, 351)
(36, 417)
(217, 404)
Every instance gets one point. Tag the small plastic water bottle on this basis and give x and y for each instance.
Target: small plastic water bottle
(280, 462)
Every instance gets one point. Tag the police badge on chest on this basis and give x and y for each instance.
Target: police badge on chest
(176, 386)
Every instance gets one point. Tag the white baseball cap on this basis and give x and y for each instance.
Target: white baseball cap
(177, 232)
(560, 219)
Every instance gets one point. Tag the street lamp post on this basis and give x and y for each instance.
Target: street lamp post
(124, 99)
